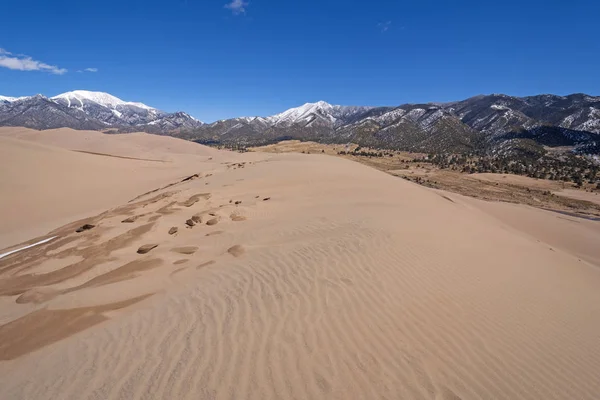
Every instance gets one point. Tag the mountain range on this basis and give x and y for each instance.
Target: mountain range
(494, 122)
(82, 109)
(481, 122)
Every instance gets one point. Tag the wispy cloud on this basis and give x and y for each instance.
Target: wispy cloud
(237, 6)
(22, 62)
(384, 26)
(87, 70)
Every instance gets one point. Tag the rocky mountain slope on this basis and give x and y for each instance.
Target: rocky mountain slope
(490, 123)
(83, 109)
(479, 123)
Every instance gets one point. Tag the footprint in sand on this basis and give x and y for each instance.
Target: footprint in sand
(85, 227)
(190, 202)
(212, 221)
(173, 230)
(185, 250)
(197, 218)
(237, 218)
(190, 178)
(182, 261)
(167, 209)
(190, 223)
(146, 248)
(214, 233)
(205, 264)
(236, 250)
(195, 198)
(133, 218)
(177, 271)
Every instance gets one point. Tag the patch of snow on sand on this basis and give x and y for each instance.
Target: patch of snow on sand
(26, 247)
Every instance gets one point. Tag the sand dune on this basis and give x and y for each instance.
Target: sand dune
(135, 145)
(345, 283)
(51, 186)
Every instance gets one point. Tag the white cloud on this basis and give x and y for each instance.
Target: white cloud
(91, 70)
(237, 6)
(384, 26)
(22, 62)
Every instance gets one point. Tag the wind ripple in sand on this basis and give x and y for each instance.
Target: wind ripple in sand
(386, 292)
(313, 319)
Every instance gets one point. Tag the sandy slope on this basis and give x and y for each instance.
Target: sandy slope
(137, 145)
(46, 186)
(526, 181)
(580, 195)
(345, 283)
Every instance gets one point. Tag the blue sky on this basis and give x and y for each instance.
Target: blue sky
(222, 58)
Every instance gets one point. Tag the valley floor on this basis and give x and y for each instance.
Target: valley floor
(288, 276)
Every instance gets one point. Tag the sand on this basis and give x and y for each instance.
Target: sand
(512, 179)
(540, 193)
(348, 283)
(87, 183)
(593, 197)
(134, 145)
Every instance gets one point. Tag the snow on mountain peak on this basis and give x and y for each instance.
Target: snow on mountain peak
(12, 99)
(6, 98)
(321, 104)
(299, 113)
(104, 99)
(102, 109)
(321, 109)
(304, 109)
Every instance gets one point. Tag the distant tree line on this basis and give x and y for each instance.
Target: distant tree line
(240, 148)
(365, 153)
(568, 168)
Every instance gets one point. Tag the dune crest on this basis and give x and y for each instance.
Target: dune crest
(345, 283)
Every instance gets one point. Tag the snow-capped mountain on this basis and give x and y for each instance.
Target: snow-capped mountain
(411, 127)
(39, 112)
(101, 98)
(499, 113)
(474, 124)
(319, 112)
(82, 109)
(7, 99)
(113, 111)
(109, 109)
(468, 125)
